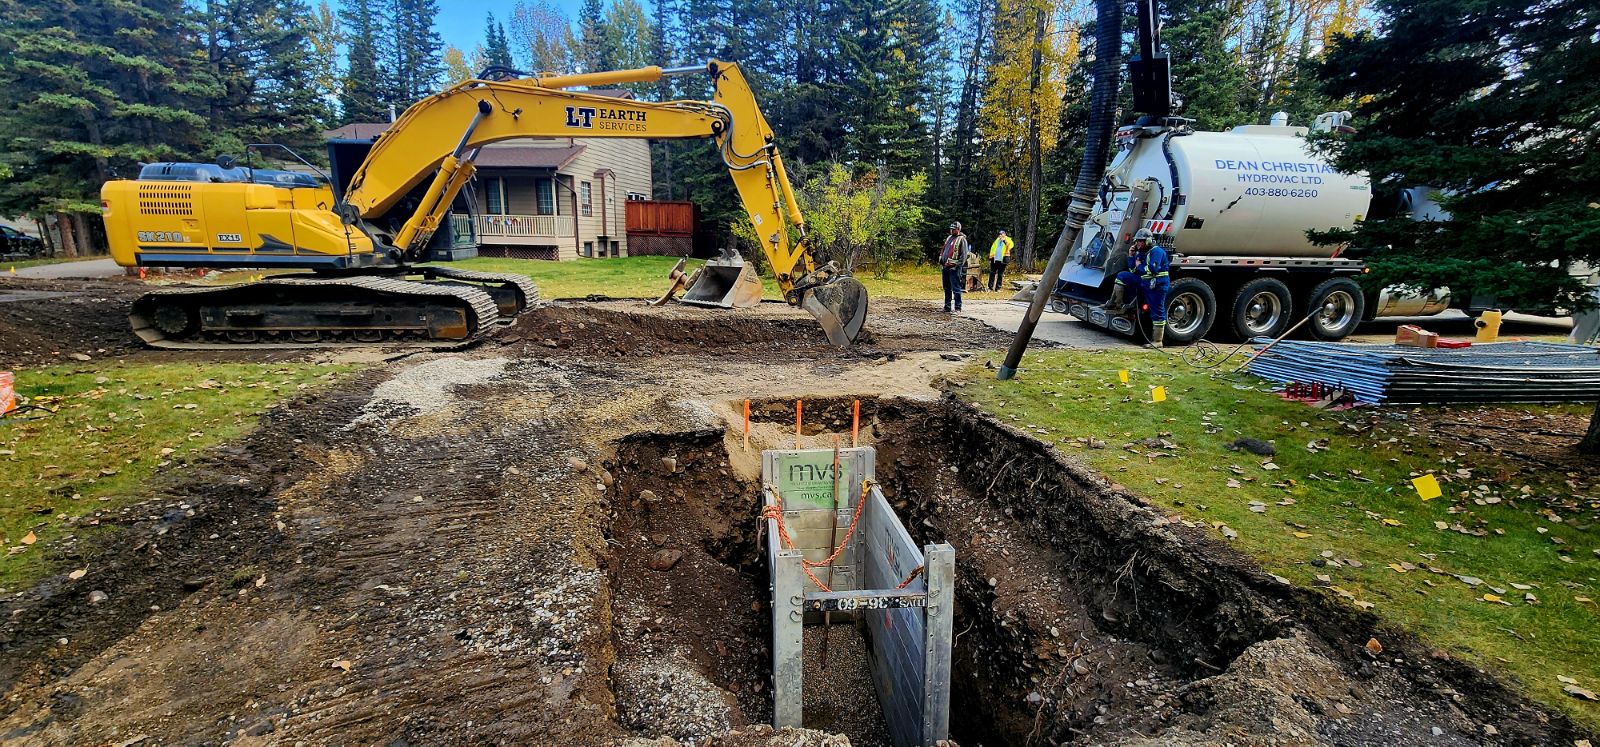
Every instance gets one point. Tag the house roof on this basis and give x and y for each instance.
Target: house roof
(356, 131)
(500, 155)
(527, 156)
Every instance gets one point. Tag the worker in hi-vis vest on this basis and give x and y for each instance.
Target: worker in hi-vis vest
(999, 254)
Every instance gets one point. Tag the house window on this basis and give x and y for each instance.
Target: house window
(586, 199)
(588, 248)
(546, 190)
(636, 197)
(494, 190)
(616, 249)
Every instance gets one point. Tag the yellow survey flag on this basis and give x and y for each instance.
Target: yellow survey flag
(1158, 394)
(1428, 487)
(1122, 376)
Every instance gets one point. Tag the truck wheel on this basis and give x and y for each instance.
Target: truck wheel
(1261, 308)
(1336, 307)
(1191, 310)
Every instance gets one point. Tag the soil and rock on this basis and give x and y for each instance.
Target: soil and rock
(551, 539)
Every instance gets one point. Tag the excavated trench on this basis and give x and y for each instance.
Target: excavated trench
(1082, 615)
(688, 626)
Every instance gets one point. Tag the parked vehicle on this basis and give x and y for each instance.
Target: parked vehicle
(15, 244)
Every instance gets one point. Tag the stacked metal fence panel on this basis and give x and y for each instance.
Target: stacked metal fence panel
(1393, 374)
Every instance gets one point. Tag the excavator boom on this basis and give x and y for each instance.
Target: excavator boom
(417, 147)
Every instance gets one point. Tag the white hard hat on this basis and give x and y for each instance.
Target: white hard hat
(1143, 234)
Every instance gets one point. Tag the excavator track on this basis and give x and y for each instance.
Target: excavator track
(321, 312)
(511, 292)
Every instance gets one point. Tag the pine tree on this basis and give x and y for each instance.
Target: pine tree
(416, 60)
(810, 105)
(913, 40)
(258, 58)
(362, 97)
(592, 52)
(980, 16)
(1207, 73)
(82, 100)
(943, 89)
(663, 52)
(496, 47)
(627, 38)
(1493, 104)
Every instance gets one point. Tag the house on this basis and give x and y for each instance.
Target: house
(541, 198)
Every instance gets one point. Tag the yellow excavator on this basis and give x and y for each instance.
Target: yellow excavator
(363, 244)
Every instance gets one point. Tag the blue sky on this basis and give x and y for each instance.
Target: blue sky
(462, 23)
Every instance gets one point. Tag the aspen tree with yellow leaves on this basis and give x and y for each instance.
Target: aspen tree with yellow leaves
(1021, 111)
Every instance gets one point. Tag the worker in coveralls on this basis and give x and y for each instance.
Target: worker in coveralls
(1147, 269)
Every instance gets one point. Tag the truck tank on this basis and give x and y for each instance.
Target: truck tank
(1254, 190)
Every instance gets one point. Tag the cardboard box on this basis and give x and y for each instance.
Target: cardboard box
(1416, 337)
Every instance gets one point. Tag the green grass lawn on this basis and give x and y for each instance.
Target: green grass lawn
(646, 277)
(115, 426)
(616, 277)
(21, 263)
(1500, 570)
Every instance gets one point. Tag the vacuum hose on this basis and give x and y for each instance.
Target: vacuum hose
(1102, 118)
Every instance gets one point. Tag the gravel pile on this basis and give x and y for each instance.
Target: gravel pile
(665, 696)
(426, 388)
(840, 697)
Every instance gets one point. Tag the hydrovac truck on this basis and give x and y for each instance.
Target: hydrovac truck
(1232, 210)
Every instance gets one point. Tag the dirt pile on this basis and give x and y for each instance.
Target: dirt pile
(45, 321)
(634, 330)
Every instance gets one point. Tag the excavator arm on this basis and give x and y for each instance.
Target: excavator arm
(417, 148)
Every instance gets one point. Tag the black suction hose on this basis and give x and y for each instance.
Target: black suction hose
(1102, 118)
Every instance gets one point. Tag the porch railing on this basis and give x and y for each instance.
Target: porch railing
(514, 226)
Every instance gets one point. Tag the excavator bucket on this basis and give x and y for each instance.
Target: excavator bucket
(727, 282)
(840, 307)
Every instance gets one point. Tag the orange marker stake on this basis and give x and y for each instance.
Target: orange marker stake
(747, 425)
(855, 421)
(799, 406)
